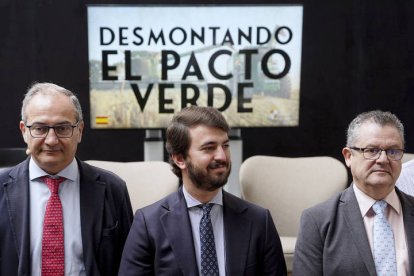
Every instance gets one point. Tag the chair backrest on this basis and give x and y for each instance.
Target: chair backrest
(287, 186)
(12, 156)
(146, 181)
(407, 157)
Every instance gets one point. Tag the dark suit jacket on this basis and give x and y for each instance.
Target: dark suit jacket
(106, 217)
(332, 238)
(161, 243)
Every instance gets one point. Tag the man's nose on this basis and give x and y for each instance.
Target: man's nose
(220, 154)
(383, 156)
(51, 137)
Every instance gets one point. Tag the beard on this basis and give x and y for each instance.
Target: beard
(206, 181)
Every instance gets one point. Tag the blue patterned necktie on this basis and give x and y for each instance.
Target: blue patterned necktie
(384, 250)
(209, 264)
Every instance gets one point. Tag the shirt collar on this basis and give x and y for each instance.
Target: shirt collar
(70, 172)
(365, 202)
(192, 202)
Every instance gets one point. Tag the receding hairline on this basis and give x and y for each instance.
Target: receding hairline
(51, 89)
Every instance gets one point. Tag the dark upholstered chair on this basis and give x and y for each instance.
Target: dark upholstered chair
(11, 156)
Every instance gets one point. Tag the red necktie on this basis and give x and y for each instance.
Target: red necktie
(53, 254)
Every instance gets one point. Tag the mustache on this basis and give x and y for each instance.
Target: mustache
(217, 164)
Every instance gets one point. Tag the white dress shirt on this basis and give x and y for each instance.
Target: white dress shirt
(69, 196)
(216, 216)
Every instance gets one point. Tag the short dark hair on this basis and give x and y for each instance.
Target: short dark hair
(178, 135)
(381, 118)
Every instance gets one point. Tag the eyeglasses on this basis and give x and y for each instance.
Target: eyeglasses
(375, 153)
(61, 131)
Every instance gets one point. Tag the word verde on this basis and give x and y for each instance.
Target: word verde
(170, 60)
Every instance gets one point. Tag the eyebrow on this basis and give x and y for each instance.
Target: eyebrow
(214, 143)
(393, 146)
(59, 123)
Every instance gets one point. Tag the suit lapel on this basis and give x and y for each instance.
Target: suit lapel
(408, 216)
(18, 204)
(237, 233)
(356, 228)
(176, 224)
(92, 199)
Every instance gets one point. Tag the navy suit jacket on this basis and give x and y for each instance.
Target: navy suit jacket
(332, 238)
(161, 243)
(106, 217)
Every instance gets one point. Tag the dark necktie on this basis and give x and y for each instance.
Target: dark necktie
(53, 254)
(209, 264)
(384, 250)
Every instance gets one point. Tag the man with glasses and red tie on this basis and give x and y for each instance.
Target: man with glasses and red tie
(59, 215)
(366, 229)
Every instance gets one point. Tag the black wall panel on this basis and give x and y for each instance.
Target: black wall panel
(357, 56)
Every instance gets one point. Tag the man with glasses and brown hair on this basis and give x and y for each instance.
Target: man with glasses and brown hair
(59, 215)
(366, 229)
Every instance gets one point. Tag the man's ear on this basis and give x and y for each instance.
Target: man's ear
(23, 130)
(179, 160)
(347, 153)
(80, 127)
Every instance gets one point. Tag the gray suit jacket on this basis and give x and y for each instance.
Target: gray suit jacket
(106, 216)
(332, 238)
(161, 243)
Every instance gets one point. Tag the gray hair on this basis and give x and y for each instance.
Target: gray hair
(47, 88)
(378, 117)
